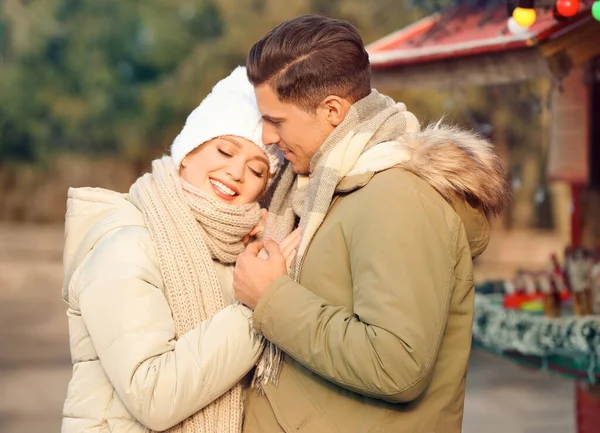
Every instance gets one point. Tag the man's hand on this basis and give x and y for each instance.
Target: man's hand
(252, 275)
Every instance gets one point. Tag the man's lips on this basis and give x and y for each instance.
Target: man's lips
(286, 153)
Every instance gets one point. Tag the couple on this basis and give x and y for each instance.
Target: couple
(351, 311)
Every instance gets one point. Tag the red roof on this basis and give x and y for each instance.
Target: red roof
(465, 31)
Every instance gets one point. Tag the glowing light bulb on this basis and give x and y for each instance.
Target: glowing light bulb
(596, 10)
(567, 8)
(515, 28)
(524, 17)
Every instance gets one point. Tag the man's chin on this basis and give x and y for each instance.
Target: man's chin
(301, 169)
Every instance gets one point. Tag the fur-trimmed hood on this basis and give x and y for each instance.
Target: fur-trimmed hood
(462, 166)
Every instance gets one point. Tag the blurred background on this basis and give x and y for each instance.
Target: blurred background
(91, 92)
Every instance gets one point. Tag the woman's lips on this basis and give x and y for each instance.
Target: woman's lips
(221, 194)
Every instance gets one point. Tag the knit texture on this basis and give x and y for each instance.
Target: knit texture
(190, 229)
(372, 120)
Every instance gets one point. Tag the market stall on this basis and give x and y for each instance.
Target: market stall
(545, 319)
(549, 320)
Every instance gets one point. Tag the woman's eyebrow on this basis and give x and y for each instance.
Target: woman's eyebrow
(232, 141)
(262, 159)
(239, 146)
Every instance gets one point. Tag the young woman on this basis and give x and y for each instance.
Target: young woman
(157, 340)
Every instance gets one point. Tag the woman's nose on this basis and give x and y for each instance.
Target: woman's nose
(236, 169)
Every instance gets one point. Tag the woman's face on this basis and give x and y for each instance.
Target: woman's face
(230, 168)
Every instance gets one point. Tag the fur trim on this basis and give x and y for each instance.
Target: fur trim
(460, 165)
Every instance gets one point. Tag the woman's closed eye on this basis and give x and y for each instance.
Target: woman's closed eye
(224, 153)
(259, 172)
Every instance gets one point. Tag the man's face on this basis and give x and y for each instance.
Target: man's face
(297, 133)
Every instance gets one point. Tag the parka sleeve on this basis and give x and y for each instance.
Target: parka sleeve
(400, 252)
(161, 381)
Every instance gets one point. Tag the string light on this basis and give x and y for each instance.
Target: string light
(515, 28)
(596, 10)
(524, 17)
(524, 14)
(567, 8)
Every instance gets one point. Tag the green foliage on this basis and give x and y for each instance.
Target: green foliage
(119, 77)
(89, 76)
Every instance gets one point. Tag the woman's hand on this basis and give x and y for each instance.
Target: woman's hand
(289, 246)
(258, 228)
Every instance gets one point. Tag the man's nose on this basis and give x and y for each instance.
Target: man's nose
(270, 135)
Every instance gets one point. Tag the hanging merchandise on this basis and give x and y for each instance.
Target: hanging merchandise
(595, 287)
(596, 10)
(548, 314)
(500, 329)
(578, 270)
(567, 8)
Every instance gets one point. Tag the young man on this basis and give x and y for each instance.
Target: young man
(375, 315)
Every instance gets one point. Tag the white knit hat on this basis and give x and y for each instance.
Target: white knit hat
(230, 109)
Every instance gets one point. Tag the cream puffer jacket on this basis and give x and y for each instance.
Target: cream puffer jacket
(129, 372)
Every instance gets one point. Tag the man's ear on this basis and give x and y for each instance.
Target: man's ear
(335, 109)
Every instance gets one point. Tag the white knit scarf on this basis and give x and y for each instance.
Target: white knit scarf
(190, 229)
(373, 120)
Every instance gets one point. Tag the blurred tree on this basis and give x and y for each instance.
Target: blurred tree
(116, 77)
(88, 76)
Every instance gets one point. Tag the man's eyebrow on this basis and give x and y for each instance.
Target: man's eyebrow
(271, 118)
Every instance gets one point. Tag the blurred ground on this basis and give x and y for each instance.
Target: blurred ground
(35, 363)
(34, 352)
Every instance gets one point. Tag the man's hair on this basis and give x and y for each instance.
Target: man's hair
(310, 57)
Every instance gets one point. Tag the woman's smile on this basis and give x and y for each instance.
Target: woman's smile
(224, 191)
